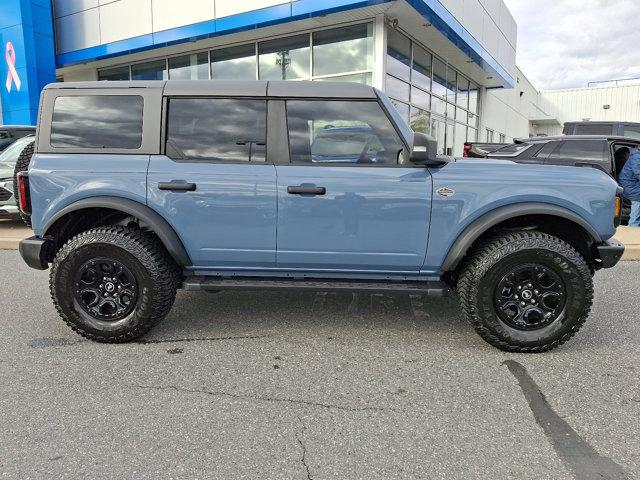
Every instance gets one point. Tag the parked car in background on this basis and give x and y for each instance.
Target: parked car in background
(619, 129)
(8, 159)
(593, 151)
(11, 133)
(481, 150)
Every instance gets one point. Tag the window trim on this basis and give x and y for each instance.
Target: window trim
(151, 114)
(165, 129)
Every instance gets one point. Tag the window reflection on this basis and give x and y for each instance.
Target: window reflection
(341, 132)
(398, 54)
(189, 67)
(421, 73)
(156, 70)
(196, 132)
(236, 63)
(285, 58)
(97, 121)
(118, 73)
(339, 50)
(365, 78)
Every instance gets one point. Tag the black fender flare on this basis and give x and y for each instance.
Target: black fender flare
(153, 219)
(479, 226)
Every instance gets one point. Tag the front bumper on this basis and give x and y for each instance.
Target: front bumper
(34, 252)
(609, 253)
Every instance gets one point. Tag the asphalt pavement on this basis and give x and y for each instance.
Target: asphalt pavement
(272, 385)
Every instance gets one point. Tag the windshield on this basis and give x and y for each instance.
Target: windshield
(13, 151)
(511, 150)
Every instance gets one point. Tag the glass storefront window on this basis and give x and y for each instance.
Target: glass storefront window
(439, 78)
(398, 54)
(463, 92)
(366, 78)
(460, 136)
(155, 70)
(421, 73)
(473, 97)
(438, 106)
(284, 58)
(397, 88)
(451, 85)
(402, 108)
(235, 63)
(341, 50)
(420, 99)
(420, 121)
(118, 73)
(189, 67)
(472, 135)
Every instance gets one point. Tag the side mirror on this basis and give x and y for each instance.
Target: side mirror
(425, 150)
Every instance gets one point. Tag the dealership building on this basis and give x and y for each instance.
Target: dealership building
(439, 60)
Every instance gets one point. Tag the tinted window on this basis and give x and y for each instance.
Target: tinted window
(218, 129)
(341, 132)
(346, 49)
(587, 129)
(546, 150)
(631, 131)
(235, 63)
(93, 121)
(580, 150)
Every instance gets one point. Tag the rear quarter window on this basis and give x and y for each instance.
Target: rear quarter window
(97, 121)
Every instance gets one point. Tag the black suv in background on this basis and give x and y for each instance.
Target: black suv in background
(594, 151)
(10, 133)
(621, 129)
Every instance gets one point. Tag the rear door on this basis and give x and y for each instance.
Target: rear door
(348, 200)
(214, 185)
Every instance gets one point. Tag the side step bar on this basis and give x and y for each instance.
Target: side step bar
(431, 288)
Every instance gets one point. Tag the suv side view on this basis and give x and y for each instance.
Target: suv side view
(619, 129)
(137, 189)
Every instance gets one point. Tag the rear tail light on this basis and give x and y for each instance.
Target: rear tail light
(467, 148)
(24, 197)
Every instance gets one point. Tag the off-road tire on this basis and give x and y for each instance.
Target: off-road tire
(480, 276)
(156, 274)
(22, 165)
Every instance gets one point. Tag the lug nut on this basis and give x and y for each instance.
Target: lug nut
(519, 287)
(536, 292)
(533, 301)
(522, 303)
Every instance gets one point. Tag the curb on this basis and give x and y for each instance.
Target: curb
(9, 243)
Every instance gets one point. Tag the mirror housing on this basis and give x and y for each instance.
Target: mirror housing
(425, 151)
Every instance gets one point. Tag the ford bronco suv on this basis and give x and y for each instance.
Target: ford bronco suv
(137, 189)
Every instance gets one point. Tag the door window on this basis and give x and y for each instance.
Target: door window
(580, 151)
(332, 132)
(217, 129)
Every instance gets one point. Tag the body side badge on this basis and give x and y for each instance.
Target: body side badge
(446, 192)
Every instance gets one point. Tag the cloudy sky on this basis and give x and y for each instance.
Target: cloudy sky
(569, 43)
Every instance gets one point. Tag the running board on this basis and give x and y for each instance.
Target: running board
(431, 288)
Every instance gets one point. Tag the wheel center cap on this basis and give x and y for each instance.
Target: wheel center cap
(527, 295)
(110, 287)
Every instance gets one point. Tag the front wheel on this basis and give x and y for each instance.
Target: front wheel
(526, 291)
(113, 284)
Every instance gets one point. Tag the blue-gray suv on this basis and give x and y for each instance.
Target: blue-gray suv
(137, 189)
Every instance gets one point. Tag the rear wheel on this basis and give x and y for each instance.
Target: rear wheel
(22, 165)
(526, 291)
(113, 284)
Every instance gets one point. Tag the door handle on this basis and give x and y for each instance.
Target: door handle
(181, 186)
(300, 190)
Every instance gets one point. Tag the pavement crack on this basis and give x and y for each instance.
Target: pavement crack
(580, 457)
(205, 339)
(299, 437)
(260, 398)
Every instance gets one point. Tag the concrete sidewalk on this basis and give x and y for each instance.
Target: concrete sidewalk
(12, 230)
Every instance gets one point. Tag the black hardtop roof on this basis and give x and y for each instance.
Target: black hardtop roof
(578, 137)
(245, 88)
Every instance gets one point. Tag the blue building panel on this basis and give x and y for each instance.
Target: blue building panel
(27, 58)
(431, 10)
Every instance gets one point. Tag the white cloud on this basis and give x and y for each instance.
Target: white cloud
(569, 43)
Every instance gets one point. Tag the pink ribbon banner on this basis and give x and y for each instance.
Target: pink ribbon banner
(12, 75)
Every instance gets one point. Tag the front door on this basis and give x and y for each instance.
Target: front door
(214, 186)
(348, 201)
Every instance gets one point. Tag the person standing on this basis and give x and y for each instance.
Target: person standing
(629, 179)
